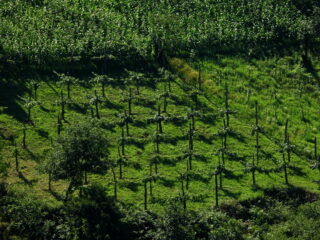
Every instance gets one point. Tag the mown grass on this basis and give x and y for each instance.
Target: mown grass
(281, 86)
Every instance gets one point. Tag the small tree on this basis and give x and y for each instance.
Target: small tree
(191, 114)
(168, 77)
(67, 81)
(124, 120)
(135, 78)
(95, 100)
(34, 84)
(158, 119)
(81, 148)
(101, 80)
(28, 104)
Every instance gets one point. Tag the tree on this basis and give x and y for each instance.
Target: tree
(80, 149)
(101, 80)
(67, 80)
(28, 104)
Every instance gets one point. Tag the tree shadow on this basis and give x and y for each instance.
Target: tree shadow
(25, 180)
(77, 108)
(10, 92)
(228, 193)
(56, 195)
(131, 185)
(167, 182)
(43, 133)
(230, 175)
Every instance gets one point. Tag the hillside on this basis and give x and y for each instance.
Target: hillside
(247, 81)
(159, 120)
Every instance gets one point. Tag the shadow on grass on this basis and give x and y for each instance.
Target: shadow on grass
(56, 195)
(25, 180)
(10, 92)
(131, 185)
(43, 133)
(77, 108)
(167, 182)
(228, 193)
(230, 175)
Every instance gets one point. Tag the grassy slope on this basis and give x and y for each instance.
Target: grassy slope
(248, 81)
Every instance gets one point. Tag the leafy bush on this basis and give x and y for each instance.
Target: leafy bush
(94, 216)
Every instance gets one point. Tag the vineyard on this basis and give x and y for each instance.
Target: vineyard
(174, 139)
(159, 120)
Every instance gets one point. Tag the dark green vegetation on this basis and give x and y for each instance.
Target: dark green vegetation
(159, 119)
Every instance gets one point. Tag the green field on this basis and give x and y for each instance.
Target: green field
(275, 84)
(159, 120)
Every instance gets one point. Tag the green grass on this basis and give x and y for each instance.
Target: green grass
(248, 80)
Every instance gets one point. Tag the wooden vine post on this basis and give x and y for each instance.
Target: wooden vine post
(183, 194)
(130, 101)
(59, 125)
(145, 194)
(150, 179)
(115, 183)
(227, 110)
(216, 188)
(285, 168)
(257, 130)
(24, 132)
(96, 103)
(16, 156)
(62, 102)
(120, 161)
(253, 169)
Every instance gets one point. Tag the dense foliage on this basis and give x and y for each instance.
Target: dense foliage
(45, 32)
